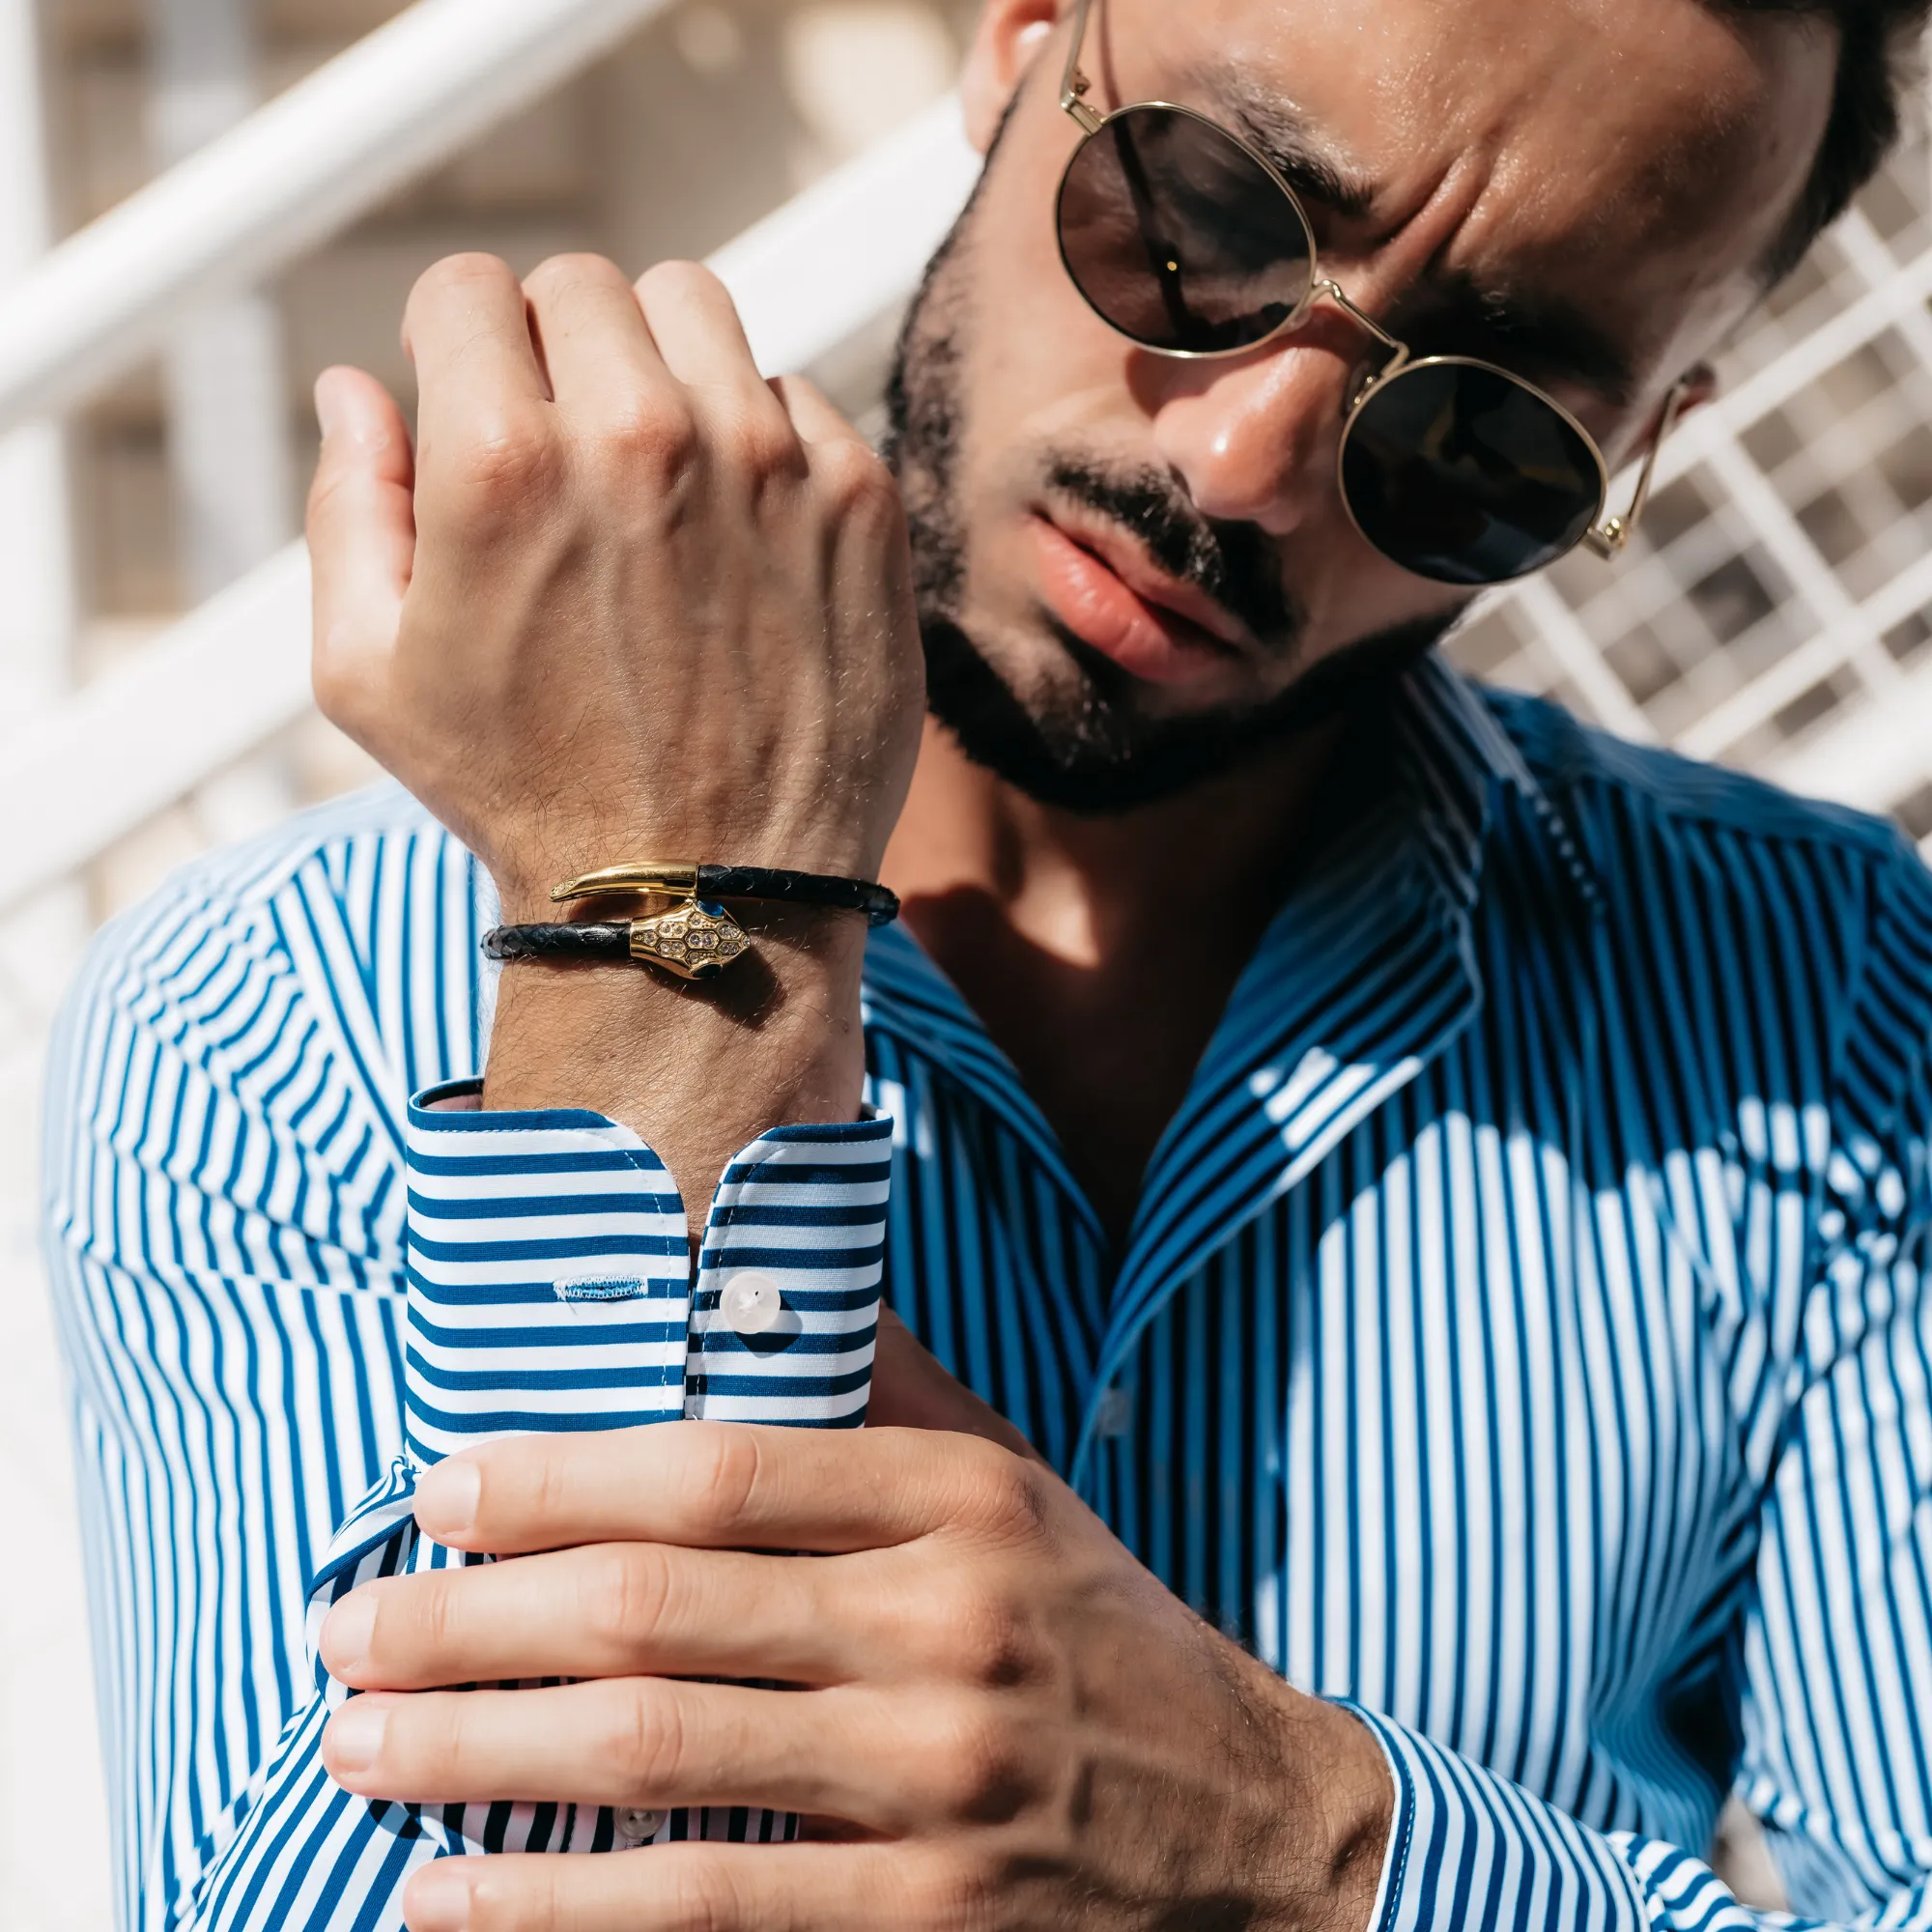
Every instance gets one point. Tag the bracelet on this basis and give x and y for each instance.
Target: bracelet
(700, 883)
(695, 941)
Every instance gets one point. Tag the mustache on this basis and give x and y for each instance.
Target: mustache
(1233, 564)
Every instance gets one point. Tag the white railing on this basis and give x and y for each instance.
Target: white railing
(298, 170)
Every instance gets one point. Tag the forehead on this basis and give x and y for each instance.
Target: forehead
(1642, 155)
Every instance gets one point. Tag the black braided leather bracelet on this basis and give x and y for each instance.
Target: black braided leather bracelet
(559, 942)
(694, 940)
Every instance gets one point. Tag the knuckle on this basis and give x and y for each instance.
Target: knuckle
(1005, 1494)
(647, 1746)
(706, 1898)
(649, 437)
(726, 1478)
(677, 278)
(326, 489)
(434, 1614)
(571, 268)
(951, 1891)
(504, 464)
(539, 1483)
(857, 480)
(627, 1596)
(978, 1765)
(761, 443)
(987, 1640)
(464, 270)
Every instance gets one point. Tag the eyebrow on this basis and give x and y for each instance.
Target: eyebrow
(1548, 337)
(1545, 334)
(1283, 137)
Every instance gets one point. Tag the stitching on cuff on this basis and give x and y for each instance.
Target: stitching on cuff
(1399, 1870)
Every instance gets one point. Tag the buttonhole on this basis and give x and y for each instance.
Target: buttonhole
(598, 1291)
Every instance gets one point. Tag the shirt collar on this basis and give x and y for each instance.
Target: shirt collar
(1452, 755)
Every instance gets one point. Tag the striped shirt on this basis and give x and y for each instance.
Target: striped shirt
(1520, 1335)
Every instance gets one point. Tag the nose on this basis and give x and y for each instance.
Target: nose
(1254, 439)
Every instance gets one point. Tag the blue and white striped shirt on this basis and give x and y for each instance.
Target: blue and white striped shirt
(1520, 1335)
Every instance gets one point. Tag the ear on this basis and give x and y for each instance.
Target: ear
(1009, 38)
(1700, 386)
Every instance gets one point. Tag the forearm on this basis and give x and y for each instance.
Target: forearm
(699, 1071)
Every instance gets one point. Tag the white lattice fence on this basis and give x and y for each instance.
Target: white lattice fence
(1775, 611)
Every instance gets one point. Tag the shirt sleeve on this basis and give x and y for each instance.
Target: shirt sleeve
(550, 1287)
(223, 1236)
(1829, 1660)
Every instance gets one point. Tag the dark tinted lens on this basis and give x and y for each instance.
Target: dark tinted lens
(1178, 236)
(1460, 474)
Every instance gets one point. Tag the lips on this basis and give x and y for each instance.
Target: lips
(1153, 626)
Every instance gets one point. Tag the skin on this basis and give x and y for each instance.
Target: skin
(624, 600)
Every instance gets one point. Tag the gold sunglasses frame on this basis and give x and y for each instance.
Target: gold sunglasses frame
(1605, 539)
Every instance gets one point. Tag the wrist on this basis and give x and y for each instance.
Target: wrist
(1333, 1834)
(695, 1070)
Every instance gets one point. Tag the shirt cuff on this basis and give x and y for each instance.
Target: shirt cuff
(550, 1268)
(1471, 1849)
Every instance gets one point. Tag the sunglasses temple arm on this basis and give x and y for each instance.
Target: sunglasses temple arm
(1610, 536)
(1073, 84)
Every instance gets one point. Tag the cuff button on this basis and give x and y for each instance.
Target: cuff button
(752, 1304)
(640, 1827)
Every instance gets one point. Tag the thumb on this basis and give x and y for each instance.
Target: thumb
(362, 540)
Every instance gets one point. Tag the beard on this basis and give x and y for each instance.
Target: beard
(1087, 742)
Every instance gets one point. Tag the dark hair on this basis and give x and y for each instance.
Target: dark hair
(1878, 41)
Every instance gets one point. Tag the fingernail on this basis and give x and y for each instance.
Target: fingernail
(327, 405)
(438, 1900)
(356, 1735)
(347, 1632)
(447, 1498)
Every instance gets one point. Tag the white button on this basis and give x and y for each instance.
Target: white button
(1113, 1413)
(752, 1304)
(640, 1827)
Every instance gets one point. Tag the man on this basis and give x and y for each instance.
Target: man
(1425, 1204)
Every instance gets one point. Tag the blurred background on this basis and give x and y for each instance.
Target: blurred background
(153, 385)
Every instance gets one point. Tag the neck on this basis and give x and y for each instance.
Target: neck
(1100, 952)
(1085, 890)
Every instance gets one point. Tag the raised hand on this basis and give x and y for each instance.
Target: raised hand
(625, 601)
(627, 598)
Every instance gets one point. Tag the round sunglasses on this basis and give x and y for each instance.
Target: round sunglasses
(1189, 242)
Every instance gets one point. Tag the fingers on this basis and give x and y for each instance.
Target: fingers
(591, 336)
(725, 1486)
(630, 1742)
(361, 537)
(608, 1611)
(691, 1887)
(812, 415)
(696, 325)
(482, 388)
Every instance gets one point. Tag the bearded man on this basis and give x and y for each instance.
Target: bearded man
(1414, 1212)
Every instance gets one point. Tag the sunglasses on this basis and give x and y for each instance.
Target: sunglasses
(1189, 242)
